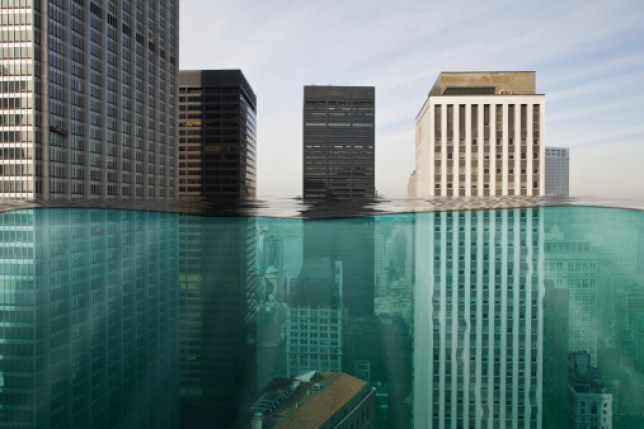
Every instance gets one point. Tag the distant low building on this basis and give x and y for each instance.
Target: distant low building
(590, 403)
(557, 172)
(315, 400)
(411, 185)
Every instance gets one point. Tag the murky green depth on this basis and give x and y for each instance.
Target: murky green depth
(518, 318)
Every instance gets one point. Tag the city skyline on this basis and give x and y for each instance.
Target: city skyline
(588, 57)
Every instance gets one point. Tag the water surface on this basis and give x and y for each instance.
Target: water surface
(466, 318)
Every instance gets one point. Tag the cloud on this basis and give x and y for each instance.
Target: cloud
(588, 56)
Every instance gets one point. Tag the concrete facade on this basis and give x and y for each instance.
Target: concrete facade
(480, 134)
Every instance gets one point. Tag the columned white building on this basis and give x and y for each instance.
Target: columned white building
(480, 134)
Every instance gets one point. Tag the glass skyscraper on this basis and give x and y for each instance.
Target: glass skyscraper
(217, 159)
(88, 100)
(339, 141)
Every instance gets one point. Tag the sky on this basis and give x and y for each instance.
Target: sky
(588, 56)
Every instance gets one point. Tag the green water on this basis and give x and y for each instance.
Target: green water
(116, 318)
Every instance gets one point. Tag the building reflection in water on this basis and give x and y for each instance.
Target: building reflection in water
(218, 303)
(88, 319)
(478, 319)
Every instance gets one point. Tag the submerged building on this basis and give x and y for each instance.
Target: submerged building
(217, 135)
(315, 400)
(590, 403)
(315, 318)
(90, 319)
(339, 142)
(88, 100)
(481, 134)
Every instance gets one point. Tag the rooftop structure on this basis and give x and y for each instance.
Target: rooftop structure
(485, 83)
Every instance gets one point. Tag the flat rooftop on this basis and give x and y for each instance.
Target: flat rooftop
(485, 83)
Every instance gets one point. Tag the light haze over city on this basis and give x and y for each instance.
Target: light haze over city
(588, 56)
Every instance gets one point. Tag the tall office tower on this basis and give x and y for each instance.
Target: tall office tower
(339, 142)
(480, 134)
(557, 172)
(217, 111)
(88, 99)
(478, 336)
(90, 319)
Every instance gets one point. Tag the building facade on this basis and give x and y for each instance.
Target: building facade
(217, 114)
(339, 142)
(481, 134)
(88, 100)
(557, 172)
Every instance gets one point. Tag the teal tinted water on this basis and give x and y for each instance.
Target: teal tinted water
(115, 318)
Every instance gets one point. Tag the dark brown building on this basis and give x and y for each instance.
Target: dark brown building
(339, 141)
(217, 110)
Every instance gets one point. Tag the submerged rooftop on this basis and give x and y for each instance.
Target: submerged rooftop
(305, 402)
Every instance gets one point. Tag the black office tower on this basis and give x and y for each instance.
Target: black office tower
(217, 110)
(339, 140)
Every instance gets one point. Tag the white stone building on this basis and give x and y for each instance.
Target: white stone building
(481, 134)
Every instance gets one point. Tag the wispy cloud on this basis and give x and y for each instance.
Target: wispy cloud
(589, 57)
